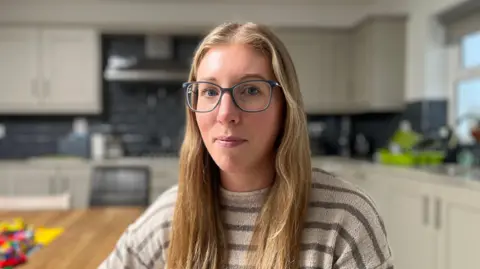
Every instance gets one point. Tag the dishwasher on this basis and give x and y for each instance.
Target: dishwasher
(120, 186)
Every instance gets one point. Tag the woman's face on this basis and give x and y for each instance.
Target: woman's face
(238, 141)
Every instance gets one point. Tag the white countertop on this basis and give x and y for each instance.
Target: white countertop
(338, 164)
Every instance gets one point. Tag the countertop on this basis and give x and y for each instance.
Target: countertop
(341, 165)
(89, 237)
(439, 175)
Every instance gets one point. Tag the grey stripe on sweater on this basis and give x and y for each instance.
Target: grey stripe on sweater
(342, 229)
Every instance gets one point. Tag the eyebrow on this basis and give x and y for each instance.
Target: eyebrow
(244, 77)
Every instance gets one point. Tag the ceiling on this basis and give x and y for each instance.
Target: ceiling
(292, 2)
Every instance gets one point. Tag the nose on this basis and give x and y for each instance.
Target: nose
(228, 112)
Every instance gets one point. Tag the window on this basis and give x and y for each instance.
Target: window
(468, 104)
(471, 50)
(465, 82)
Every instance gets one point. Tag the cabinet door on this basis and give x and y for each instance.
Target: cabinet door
(162, 178)
(388, 65)
(362, 65)
(5, 184)
(342, 77)
(19, 59)
(358, 67)
(71, 71)
(313, 56)
(77, 182)
(457, 221)
(411, 235)
(31, 182)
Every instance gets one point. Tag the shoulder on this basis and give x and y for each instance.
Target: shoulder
(157, 216)
(352, 214)
(143, 243)
(161, 210)
(149, 234)
(330, 188)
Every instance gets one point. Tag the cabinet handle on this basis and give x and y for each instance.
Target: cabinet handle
(426, 210)
(438, 213)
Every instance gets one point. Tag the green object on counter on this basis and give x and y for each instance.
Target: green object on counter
(406, 140)
(386, 157)
(409, 158)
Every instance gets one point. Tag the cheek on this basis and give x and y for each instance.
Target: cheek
(268, 124)
(205, 123)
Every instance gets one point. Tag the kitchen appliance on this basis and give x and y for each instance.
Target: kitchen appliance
(158, 64)
(120, 186)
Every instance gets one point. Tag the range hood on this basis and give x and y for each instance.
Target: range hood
(158, 64)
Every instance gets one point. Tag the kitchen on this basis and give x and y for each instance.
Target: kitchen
(103, 133)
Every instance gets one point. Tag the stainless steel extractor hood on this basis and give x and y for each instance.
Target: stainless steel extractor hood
(157, 65)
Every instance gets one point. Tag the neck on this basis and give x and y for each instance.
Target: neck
(254, 179)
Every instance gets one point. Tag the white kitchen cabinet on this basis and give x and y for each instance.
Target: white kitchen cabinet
(71, 61)
(19, 72)
(162, 178)
(321, 60)
(410, 225)
(429, 226)
(31, 181)
(378, 63)
(4, 182)
(49, 70)
(342, 74)
(456, 222)
(76, 181)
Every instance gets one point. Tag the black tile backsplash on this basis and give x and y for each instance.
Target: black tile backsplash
(150, 116)
(426, 116)
(159, 128)
(376, 127)
(28, 136)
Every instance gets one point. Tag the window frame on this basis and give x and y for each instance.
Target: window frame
(457, 73)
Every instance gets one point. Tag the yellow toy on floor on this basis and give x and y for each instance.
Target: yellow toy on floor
(43, 236)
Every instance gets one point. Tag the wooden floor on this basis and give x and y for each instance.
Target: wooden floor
(89, 236)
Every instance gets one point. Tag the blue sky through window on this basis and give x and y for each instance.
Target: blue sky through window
(468, 102)
(471, 50)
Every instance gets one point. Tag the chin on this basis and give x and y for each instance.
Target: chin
(231, 163)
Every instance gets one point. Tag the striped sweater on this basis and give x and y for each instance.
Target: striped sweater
(342, 229)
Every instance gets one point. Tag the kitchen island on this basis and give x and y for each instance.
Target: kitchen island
(89, 236)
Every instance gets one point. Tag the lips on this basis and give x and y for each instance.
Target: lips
(229, 141)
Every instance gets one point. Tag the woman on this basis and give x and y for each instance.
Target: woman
(247, 194)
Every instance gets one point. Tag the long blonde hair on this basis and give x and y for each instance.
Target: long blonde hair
(198, 239)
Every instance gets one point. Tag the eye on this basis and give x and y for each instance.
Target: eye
(250, 90)
(209, 92)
